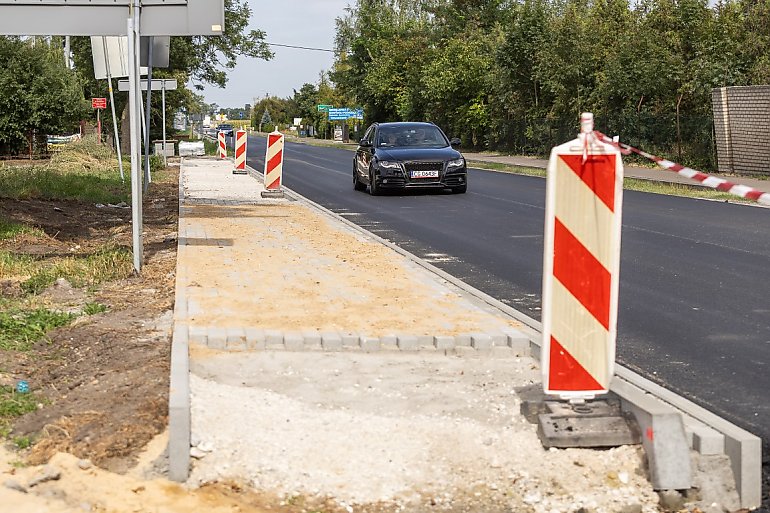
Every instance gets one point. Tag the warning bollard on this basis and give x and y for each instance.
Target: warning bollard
(273, 165)
(580, 266)
(222, 146)
(240, 153)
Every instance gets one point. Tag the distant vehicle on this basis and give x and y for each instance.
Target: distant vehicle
(408, 156)
(226, 128)
(206, 121)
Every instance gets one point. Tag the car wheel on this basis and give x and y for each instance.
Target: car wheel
(357, 185)
(461, 189)
(374, 189)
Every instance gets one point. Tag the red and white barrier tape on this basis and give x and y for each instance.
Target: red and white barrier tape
(719, 184)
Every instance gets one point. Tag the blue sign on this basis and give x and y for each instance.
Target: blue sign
(345, 113)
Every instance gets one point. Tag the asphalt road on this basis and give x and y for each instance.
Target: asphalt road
(694, 304)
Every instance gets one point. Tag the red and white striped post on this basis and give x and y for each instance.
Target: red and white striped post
(240, 153)
(222, 145)
(581, 266)
(274, 161)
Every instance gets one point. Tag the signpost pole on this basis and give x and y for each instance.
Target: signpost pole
(163, 95)
(136, 177)
(112, 108)
(98, 125)
(147, 176)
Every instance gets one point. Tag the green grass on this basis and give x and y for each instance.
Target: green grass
(103, 265)
(210, 147)
(19, 329)
(9, 230)
(629, 184)
(94, 308)
(12, 405)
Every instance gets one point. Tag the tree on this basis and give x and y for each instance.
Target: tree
(38, 94)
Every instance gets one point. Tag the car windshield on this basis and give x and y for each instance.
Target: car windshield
(427, 136)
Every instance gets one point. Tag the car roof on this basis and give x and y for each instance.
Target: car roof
(405, 123)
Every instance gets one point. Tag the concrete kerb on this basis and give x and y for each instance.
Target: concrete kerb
(743, 448)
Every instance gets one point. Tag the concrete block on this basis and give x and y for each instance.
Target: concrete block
(293, 341)
(370, 344)
(350, 340)
(217, 338)
(444, 342)
(518, 341)
(389, 342)
(179, 406)
(407, 343)
(702, 438)
(255, 339)
(331, 341)
(481, 341)
(199, 335)
(236, 339)
(501, 352)
(425, 341)
(193, 307)
(312, 339)
(499, 339)
(273, 339)
(463, 340)
(663, 437)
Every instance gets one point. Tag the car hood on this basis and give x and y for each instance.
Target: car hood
(405, 154)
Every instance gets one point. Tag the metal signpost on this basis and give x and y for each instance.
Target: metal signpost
(159, 84)
(132, 18)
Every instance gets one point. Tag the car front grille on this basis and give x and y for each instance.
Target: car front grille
(424, 166)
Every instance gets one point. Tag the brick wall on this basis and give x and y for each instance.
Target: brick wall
(742, 129)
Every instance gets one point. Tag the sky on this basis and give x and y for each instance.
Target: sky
(307, 23)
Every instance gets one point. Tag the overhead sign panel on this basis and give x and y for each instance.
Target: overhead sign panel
(108, 17)
(160, 84)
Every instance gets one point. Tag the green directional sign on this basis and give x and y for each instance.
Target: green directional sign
(324, 108)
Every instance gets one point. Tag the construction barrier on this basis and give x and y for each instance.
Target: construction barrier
(581, 265)
(714, 182)
(274, 161)
(240, 152)
(222, 145)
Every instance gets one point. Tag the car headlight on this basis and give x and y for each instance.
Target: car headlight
(388, 166)
(456, 163)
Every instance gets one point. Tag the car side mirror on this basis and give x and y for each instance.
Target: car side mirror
(455, 142)
(365, 144)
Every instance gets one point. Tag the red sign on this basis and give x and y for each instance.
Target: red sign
(99, 103)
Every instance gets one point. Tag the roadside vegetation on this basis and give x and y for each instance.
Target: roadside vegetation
(33, 261)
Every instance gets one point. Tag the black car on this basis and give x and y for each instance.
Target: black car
(408, 156)
(226, 128)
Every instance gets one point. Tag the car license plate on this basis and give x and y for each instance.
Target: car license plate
(425, 174)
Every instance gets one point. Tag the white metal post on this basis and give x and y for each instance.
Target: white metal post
(147, 176)
(112, 107)
(136, 176)
(163, 94)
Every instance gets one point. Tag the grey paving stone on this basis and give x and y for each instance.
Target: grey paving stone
(444, 342)
(199, 335)
(481, 341)
(499, 339)
(501, 351)
(425, 342)
(236, 339)
(407, 343)
(217, 338)
(350, 340)
(389, 342)
(273, 338)
(255, 338)
(294, 341)
(312, 339)
(518, 341)
(370, 344)
(331, 341)
(463, 340)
